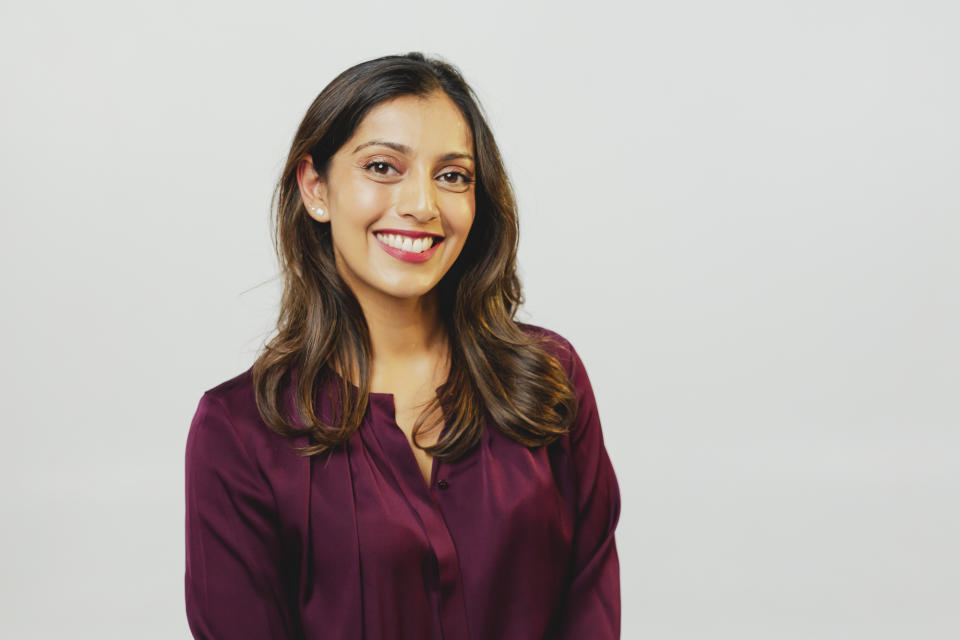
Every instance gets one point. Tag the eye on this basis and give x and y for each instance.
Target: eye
(380, 167)
(456, 178)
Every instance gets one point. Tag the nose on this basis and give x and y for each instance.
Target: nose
(417, 196)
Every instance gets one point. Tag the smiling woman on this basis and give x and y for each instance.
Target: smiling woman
(404, 459)
(407, 172)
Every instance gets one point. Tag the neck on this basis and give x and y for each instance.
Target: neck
(409, 345)
(404, 330)
(408, 339)
(407, 336)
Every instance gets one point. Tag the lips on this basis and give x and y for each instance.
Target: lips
(408, 232)
(410, 256)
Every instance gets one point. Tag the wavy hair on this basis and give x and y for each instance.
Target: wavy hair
(496, 366)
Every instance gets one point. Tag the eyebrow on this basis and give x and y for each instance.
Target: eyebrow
(402, 148)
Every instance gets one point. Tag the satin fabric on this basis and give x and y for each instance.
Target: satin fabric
(506, 543)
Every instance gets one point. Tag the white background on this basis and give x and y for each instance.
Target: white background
(744, 215)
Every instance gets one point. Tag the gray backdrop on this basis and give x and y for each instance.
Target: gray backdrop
(742, 214)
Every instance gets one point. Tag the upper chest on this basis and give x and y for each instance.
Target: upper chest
(412, 393)
(408, 409)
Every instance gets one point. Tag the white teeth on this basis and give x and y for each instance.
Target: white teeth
(405, 242)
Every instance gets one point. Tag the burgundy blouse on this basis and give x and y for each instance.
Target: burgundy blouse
(507, 543)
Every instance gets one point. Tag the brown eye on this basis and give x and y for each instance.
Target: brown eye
(379, 167)
(456, 177)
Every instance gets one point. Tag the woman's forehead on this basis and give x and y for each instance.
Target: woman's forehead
(431, 122)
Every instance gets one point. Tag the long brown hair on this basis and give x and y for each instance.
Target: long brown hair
(495, 365)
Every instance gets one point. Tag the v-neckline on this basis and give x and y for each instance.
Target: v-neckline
(390, 408)
(388, 404)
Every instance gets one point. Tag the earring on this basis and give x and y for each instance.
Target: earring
(319, 211)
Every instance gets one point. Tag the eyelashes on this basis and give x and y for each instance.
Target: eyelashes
(465, 178)
(459, 178)
(379, 163)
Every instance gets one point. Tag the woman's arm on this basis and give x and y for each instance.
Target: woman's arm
(233, 581)
(592, 606)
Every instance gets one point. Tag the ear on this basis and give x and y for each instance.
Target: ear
(313, 190)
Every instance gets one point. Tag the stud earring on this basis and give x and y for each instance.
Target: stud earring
(319, 211)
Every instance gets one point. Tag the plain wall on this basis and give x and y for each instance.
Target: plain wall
(744, 215)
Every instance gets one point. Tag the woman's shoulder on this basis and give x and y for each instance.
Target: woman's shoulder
(229, 409)
(554, 342)
(235, 394)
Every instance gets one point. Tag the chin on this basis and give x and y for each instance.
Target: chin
(407, 294)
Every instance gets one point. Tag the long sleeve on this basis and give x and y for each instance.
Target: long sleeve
(592, 607)
(233, 583)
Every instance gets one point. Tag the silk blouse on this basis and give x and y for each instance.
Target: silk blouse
(507, 543)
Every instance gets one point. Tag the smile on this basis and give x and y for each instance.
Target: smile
(408, 249)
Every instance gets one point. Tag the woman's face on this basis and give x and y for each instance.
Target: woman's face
(407, 170)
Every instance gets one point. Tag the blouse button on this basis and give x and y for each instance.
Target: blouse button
(443, 484)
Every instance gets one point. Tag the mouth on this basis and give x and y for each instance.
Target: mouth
(409, 244)
(409, 249)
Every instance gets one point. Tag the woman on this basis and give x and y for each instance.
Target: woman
(403, 460)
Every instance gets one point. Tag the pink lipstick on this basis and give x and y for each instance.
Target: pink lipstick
(410, 256)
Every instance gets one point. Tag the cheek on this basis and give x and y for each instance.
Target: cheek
(461, 214)
(363, 198)
(372, 197)
(468, 219)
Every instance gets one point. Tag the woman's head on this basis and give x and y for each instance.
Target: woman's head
(427, 106)
(332, 260)
(398, 196)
